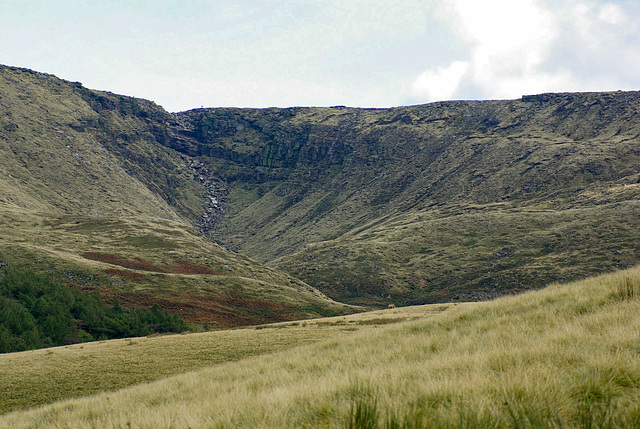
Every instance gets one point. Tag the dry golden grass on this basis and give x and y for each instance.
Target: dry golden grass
(566, 356)
(83, 369)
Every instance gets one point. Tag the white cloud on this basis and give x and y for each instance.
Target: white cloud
(611, 14)
(440, 83)
(600, 43)
(531, 46)
(327, 52)
(598, 27)
(508, 41)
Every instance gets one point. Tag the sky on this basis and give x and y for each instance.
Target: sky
(186, 54)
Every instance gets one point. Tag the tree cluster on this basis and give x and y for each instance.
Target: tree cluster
(36, 312)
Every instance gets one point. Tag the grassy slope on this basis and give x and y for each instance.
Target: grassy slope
(427, 203)
(565, 356)
(82, 172)
(472, 253)
(58, 154)
(84, 369)
(141, 261)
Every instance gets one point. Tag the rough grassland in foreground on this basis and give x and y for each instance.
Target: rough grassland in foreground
(83, 369)
(565, 356)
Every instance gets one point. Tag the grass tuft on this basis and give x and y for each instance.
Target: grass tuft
(627, 289)
(364, 414)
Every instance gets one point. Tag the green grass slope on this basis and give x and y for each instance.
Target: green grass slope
(451, 200)
(90, 196)
(141, 261)
(62, 151)
(565, 356)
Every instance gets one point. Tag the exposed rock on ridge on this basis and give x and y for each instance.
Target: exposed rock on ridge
(414, 204)
(215, 198)
(92, 194)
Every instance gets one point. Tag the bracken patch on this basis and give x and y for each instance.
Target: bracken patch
(226, 310)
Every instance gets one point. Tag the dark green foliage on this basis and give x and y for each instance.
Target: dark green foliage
(35, 312)
(18, 329)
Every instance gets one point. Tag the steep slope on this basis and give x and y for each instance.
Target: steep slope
(89, 195)
(451, 200)
(63, 150)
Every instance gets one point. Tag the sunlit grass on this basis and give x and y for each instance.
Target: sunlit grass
(566, 356)
(40, 377)
(628, 288)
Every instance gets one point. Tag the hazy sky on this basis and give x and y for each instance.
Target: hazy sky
(190, 53)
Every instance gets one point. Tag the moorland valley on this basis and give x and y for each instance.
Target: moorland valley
(227, 217)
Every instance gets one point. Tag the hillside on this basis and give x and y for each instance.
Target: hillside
(90, 196)
(452, 200)
(565, 356)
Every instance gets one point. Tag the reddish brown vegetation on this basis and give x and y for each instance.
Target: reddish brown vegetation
(141, 264)
(227, 310)
(179, 267)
